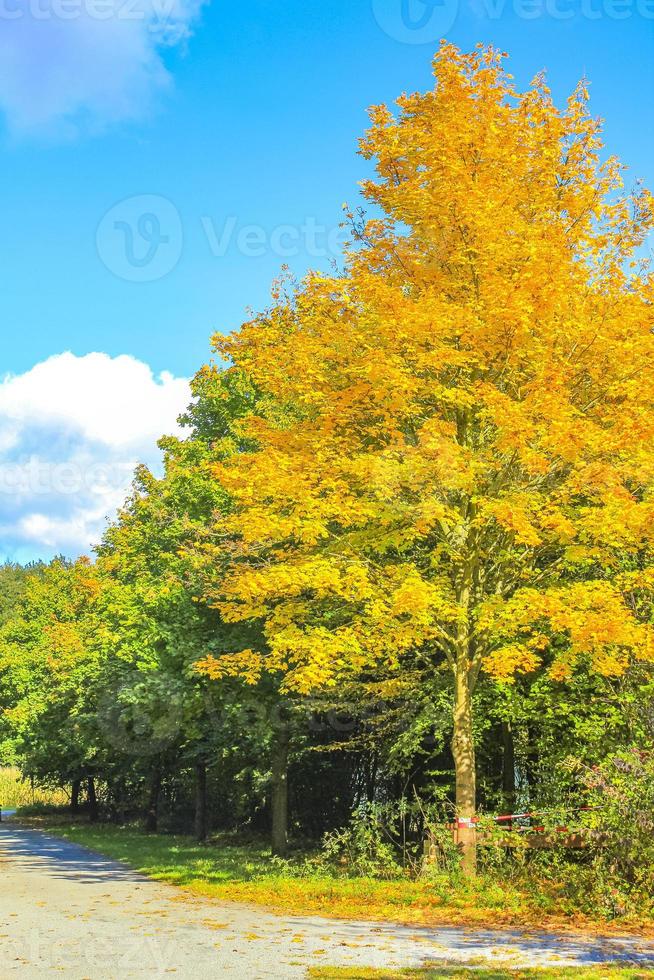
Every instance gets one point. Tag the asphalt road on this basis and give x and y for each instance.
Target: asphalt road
(65, 911)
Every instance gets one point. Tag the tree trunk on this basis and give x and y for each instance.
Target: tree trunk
(74, 795)
(119, 801)
(201, 812)
(92, 798)
(463, 750)
(508, 766)
(152, 812)
(280, 792)
(371, 778)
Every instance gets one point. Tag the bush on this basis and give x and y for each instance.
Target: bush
(613, 877)
(363, 848)
(622, 791)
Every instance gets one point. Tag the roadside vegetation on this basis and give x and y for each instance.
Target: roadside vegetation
(394, 585)
(16, 790)
(481, 973)
(312, 881)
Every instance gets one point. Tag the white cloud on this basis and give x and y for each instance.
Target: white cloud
(116, 401)
(72, 429)
(68, 64)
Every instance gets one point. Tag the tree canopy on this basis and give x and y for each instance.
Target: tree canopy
(414, 505)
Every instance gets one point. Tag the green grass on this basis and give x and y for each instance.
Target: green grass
(246, 872)
(458, 973)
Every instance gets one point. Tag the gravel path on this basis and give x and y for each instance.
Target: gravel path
(67, 911)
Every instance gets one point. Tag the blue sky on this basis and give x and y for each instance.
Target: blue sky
(156, 171)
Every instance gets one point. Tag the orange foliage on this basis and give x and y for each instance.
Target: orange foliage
(459, 456)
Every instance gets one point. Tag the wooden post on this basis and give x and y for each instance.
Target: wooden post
(466, 838)
(279, 802)
(74, 795)
(201, 821)
(92, 799)
(152, 811)
(430, 851)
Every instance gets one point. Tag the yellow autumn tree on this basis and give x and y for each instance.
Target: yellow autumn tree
(454, 457)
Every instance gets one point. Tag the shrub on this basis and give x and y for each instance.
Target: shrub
(622, 791)
(365, 847)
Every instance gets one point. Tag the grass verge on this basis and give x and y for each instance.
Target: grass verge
(459, 973)
(246, 872)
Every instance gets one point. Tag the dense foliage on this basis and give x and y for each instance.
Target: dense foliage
(403, 557)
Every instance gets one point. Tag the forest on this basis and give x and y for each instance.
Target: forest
(398, 573)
